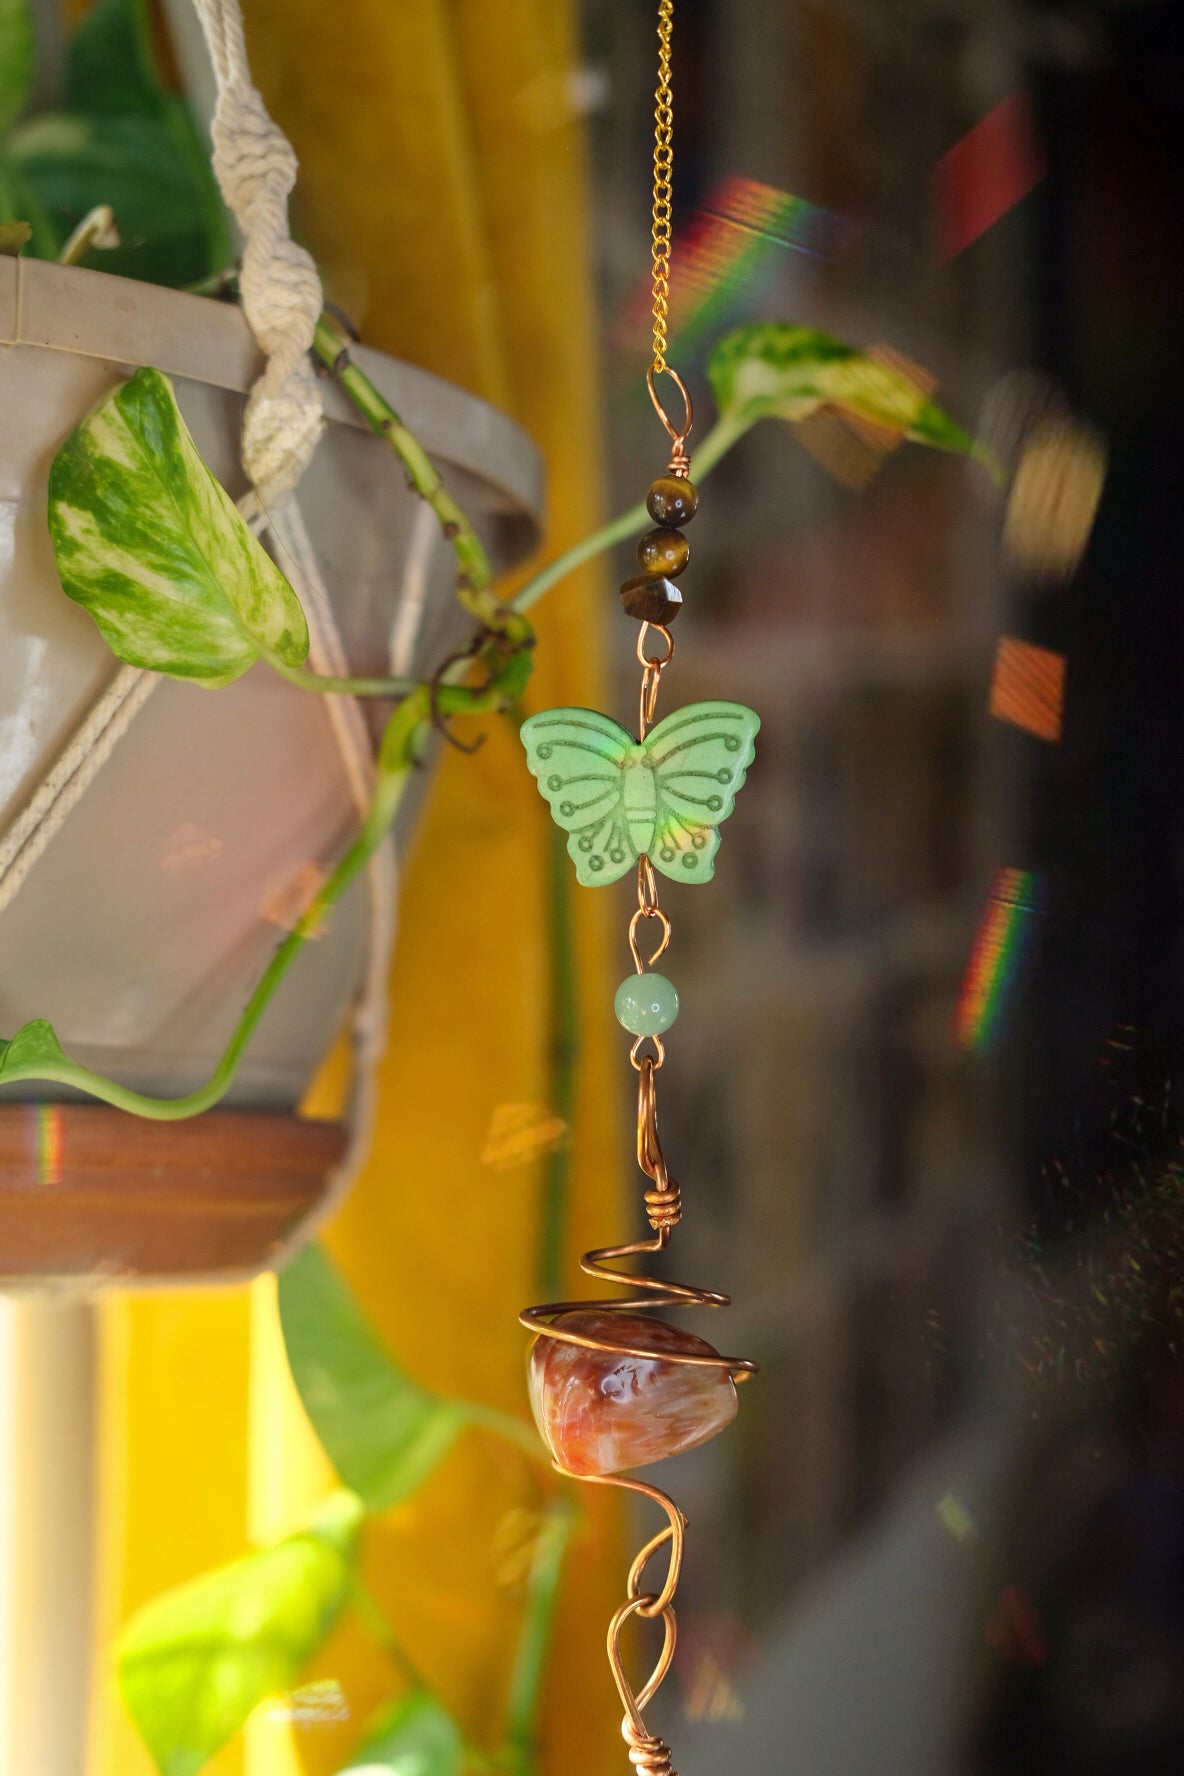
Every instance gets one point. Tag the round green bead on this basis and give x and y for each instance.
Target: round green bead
(663, 551)
(646, 1004)
(672, 499)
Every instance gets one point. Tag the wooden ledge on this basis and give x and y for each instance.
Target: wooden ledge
(90, 1193)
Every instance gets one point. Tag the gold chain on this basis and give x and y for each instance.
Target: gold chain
(663, 175)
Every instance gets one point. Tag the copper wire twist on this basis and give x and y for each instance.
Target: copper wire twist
(650, 1756)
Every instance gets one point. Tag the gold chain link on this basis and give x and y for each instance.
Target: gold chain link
(663, 175)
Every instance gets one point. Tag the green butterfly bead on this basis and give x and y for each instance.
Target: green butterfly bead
(664, 798)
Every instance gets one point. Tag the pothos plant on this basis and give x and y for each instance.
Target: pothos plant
(148, 542)
(115, 144)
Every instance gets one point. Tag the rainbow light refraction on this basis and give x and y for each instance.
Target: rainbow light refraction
(997, 963)
(734, 234)
(49, 1140)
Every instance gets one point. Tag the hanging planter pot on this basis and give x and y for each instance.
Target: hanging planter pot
(171, 873)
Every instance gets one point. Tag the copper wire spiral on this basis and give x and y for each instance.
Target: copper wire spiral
(650, 1756)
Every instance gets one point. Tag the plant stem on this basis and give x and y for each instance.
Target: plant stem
(491, 612)
(371, 1614)
(541, 1595)
(504, 1424)
(398, 754)
(352, 687)
(474, 574)
(95, 225)
(368, 1609)
(193, 1103)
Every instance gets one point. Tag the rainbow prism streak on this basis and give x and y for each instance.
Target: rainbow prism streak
(49, 1139)
(998, 961)
(732, 238)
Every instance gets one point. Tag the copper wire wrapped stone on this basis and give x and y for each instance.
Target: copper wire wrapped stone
(601, 1411)
(663, 551)
(672, 499)
(651, 598)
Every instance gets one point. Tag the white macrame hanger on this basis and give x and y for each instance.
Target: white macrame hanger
(281, 291)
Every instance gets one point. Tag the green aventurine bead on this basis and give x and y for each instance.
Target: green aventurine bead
(646, 1004)
(663, 551)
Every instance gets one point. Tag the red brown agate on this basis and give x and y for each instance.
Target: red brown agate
(600, 1412)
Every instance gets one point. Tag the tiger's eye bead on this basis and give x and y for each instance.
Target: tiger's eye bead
(651, 598)
(663, 551)
(672, 500)
(599, 1412)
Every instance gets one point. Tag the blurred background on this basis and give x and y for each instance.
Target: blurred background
(948, 1534)
(923, 1097)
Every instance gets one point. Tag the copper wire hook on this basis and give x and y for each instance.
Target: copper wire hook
(655, 1060)
(663, 942)
(680, 461)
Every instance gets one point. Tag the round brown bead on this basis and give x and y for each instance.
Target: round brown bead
(672, 500)
(663, 551)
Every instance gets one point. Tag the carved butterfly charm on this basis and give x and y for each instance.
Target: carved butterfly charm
(663, 798)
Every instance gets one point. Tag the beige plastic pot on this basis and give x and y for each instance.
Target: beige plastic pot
(151, 913)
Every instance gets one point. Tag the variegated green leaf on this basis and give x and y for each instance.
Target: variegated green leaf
(195, 1662)
(772, 371)
(383, 1434)
(150, 544)
(780, 372)
(414, 1736)
(34, 1047)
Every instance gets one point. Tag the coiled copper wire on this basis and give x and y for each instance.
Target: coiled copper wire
(663, 1202)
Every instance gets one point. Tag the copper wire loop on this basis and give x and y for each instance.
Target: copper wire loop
(663, 941)
(651, 674)
(654, 662)
(649, 1149)
(635, 1700)
(647, 886)
(680, 462)
(648, 702)
(657, 1058)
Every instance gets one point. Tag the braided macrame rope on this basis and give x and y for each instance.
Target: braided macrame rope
(281, 291)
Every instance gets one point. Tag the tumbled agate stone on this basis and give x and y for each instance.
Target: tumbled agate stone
(600, 1412)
